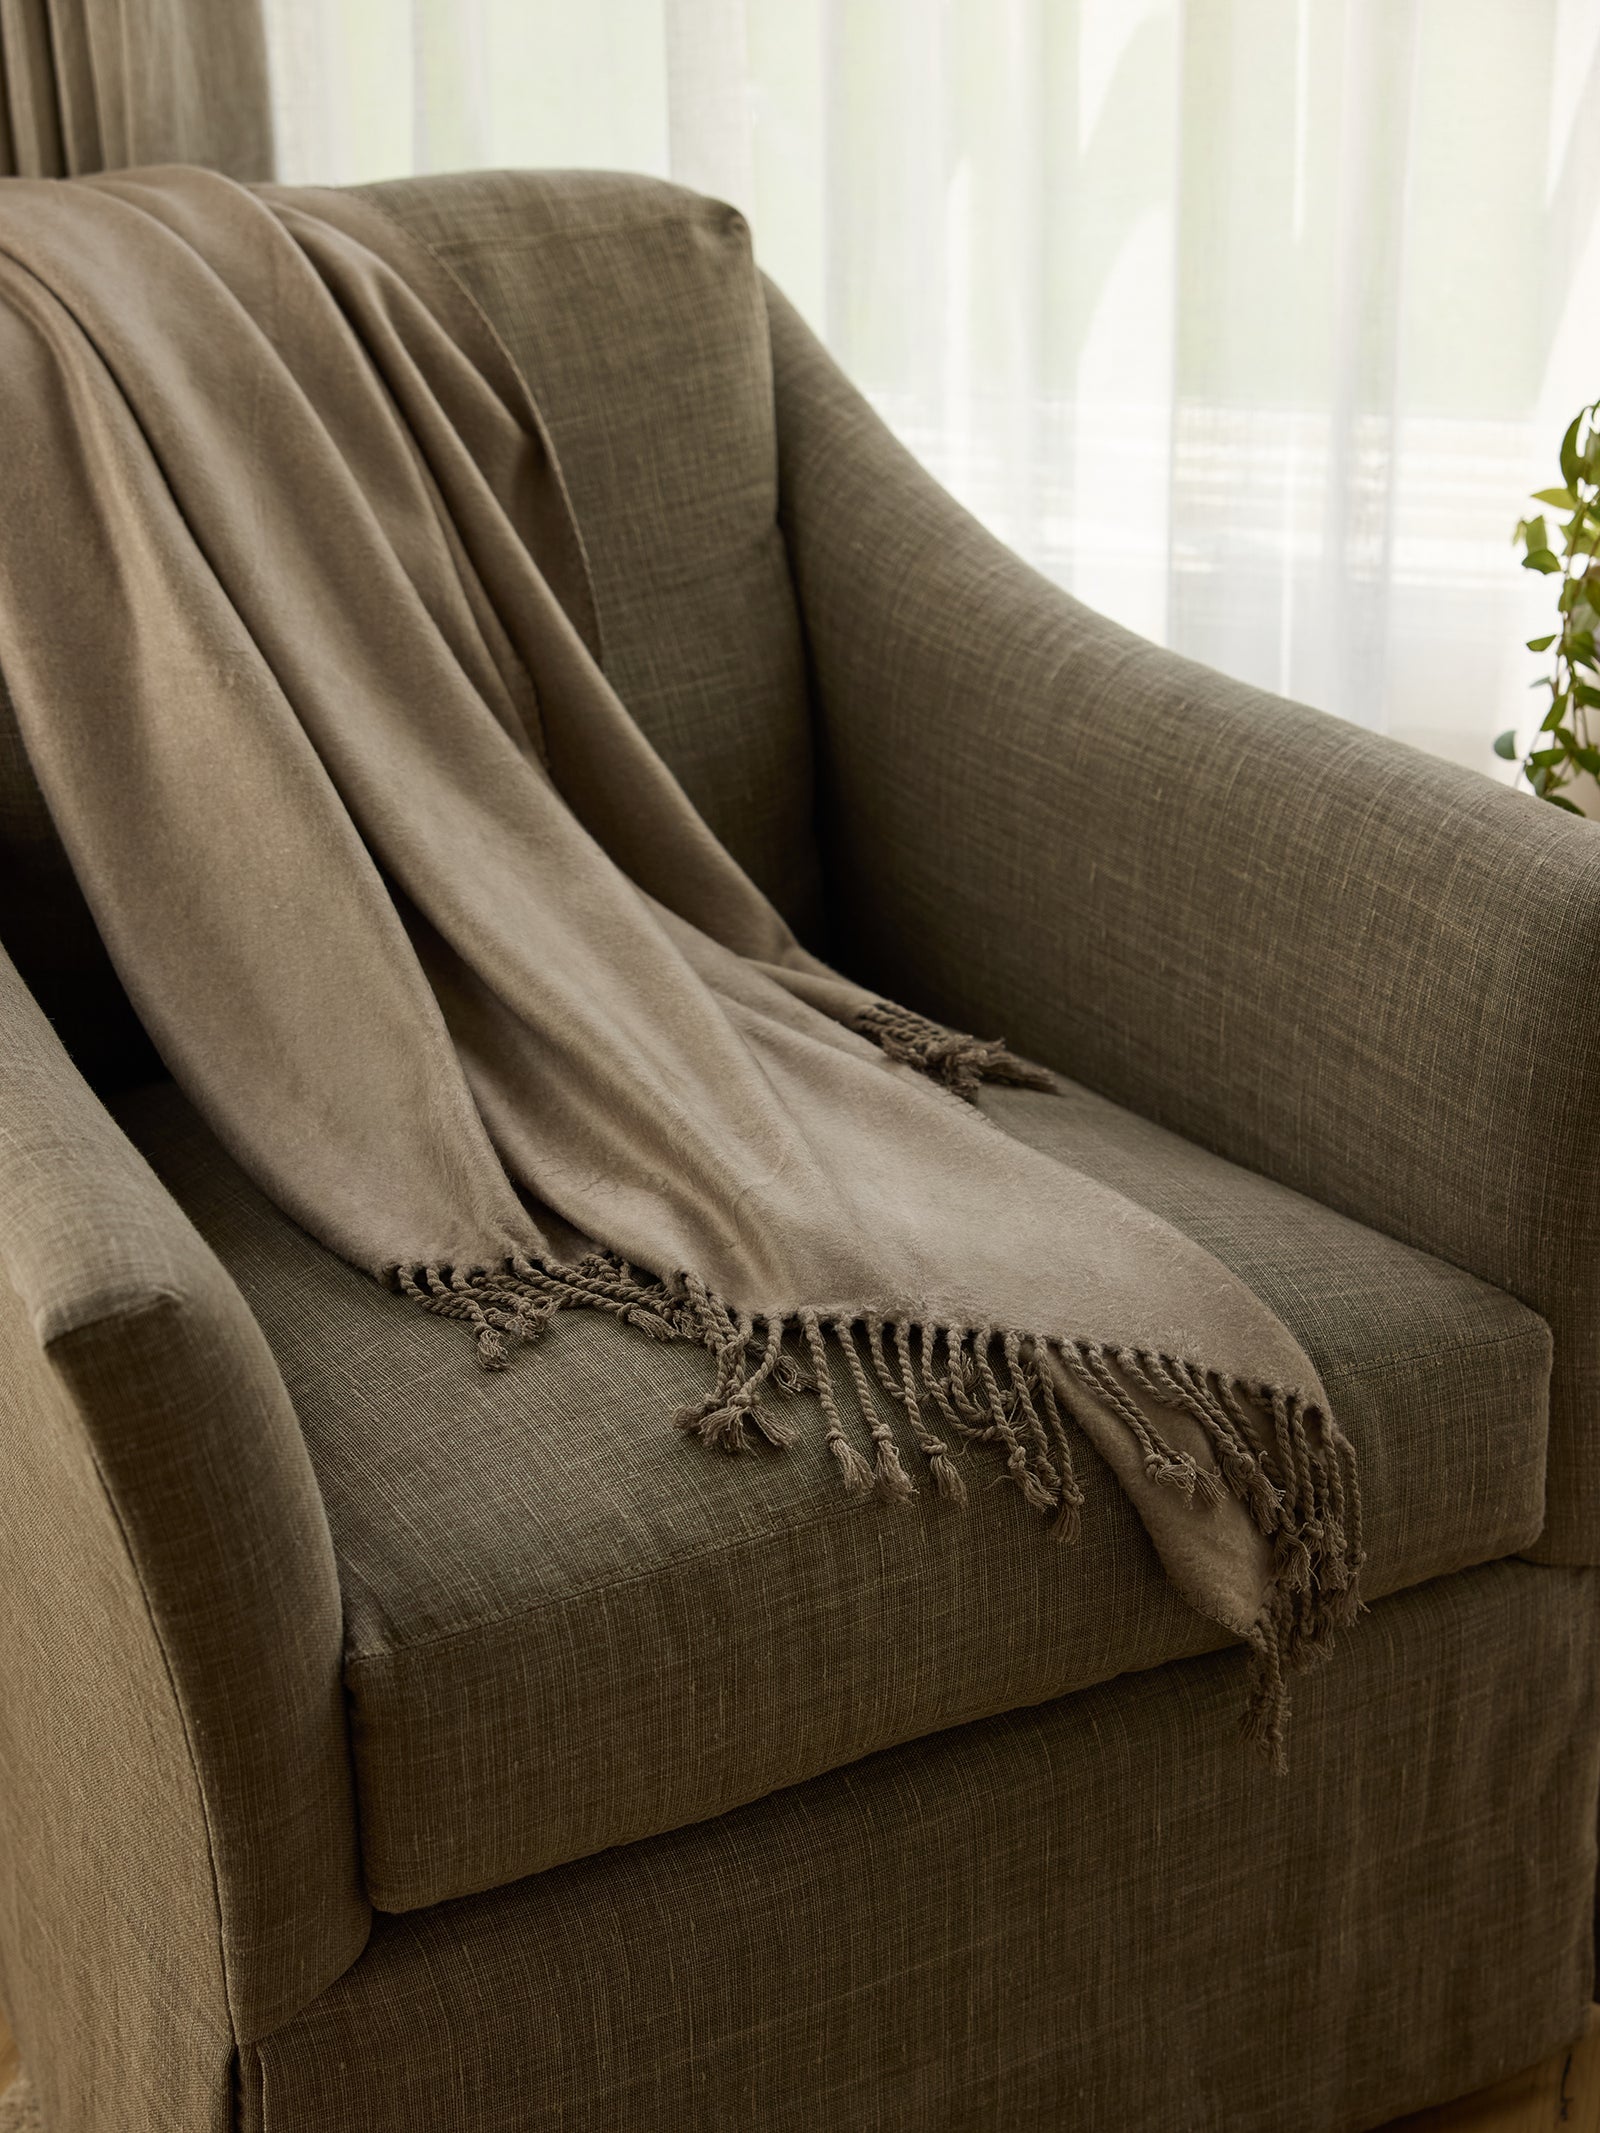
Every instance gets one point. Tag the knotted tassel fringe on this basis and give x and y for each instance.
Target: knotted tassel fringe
(960, 1063)
(958, 1387)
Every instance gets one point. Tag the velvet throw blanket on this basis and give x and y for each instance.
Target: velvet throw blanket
(299, 634)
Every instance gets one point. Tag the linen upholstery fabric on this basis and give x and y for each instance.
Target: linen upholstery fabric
(632, 309)
(102, 1824)
(90, 85)
(1449, 1832)
(1344, 964)
(417, 916)
(172, 1742)
(1086, 1915)
(19, 2110)
(561, 1637)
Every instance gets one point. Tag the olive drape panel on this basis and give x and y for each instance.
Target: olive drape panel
(102, 84)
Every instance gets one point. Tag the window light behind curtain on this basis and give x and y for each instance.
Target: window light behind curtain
(1249, 321)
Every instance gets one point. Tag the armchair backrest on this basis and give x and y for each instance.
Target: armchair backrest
(636, 313)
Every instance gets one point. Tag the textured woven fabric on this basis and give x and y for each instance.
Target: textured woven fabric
(941, 1936)
(563, 1635)
(1088, 1916)
(101, 84)
(19, 2109)
(104, 1818)
(632, 309)
(437, 944)
(176, 1823)
(603, 289)
(47, 929)
(1354, 968)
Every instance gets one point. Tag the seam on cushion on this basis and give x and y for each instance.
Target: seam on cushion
(976, 1714)
(391, 1653)
(847, 1512)
(460, 248)
(1538, 1331)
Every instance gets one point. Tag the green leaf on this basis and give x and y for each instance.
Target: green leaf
(1553, 717)
(1583, 694)
(1505, 745)
(1541, 559)
(1535, 533)
(1571, 464)
(1587, 759)
(1539, 780)
(1559, 499)
(1541, 644)
(1545, 758)
(1554, 799)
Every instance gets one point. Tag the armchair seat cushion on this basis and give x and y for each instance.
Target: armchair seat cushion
(569, 1627)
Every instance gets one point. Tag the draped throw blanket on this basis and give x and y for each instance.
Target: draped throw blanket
(298, 629)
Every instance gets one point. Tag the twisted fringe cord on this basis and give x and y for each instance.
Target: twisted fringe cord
(947, 1479)
(894, 1483)
(853, 1469)
(1069, 1522)
(947, 1056)
(1022, 1468)
(1276, 1453)
(1292, 1467)
(734, 1406)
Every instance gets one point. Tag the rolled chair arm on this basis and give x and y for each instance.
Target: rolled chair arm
(1372, 975)
(178, 1865)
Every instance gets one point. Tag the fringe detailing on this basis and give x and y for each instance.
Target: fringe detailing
(955, 1388)
(960, 1063)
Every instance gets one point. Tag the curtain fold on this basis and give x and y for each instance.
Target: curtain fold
(1251, 322)
(90, 85)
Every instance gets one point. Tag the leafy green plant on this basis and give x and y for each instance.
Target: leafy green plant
(1566, 742)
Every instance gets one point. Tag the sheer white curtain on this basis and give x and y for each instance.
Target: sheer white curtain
(1250, 321)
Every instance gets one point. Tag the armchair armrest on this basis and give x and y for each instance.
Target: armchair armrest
(177, 1829)
(1366, 973)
